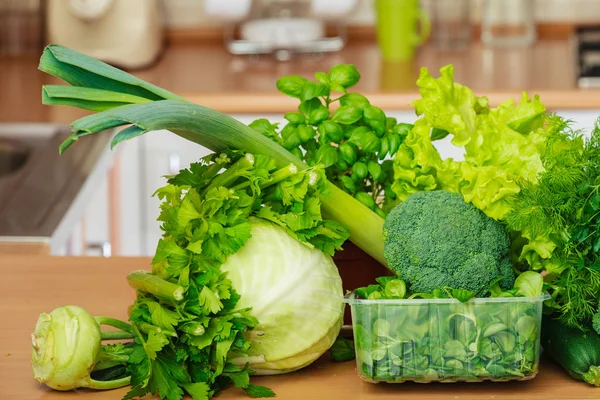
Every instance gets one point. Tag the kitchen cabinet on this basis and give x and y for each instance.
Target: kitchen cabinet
(145, 161)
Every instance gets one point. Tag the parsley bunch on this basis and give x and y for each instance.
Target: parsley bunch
(353, 142)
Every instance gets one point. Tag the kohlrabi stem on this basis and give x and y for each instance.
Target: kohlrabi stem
(107, 385)
(146, 282)
(115, 323)
(108, 360)
(116, 335)
(120, 358)
(231, 174)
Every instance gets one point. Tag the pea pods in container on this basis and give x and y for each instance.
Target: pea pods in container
(445, 340)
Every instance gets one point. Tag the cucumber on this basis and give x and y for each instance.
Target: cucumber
(576, 351)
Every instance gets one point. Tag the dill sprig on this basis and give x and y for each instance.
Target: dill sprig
(563, 207)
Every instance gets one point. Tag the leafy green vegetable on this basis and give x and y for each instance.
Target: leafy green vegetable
(557, 219)
(352, 143)
(449, 341)
(434, 239)
(500, 144)
(294, 291)
(342, 350)
(529, 283)
(192, 332)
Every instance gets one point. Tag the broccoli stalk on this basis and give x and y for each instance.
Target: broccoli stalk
(435, 239)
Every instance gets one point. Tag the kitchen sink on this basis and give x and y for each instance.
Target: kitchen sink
(43, 194)
(13, 156)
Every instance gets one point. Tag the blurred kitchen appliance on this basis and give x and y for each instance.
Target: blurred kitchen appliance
(282, 27)
(587, 49)
(126, 33)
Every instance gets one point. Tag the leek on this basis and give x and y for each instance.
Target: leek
(121, 99)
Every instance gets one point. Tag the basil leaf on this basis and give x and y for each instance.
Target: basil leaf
(347, 115)
(291, 85)
(345, 75)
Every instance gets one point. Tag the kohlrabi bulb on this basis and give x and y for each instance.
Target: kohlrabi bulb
(65, 345)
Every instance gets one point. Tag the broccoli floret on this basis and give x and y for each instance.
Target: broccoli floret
(435, 239)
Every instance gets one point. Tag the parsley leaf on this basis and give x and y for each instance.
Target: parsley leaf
(258, 391)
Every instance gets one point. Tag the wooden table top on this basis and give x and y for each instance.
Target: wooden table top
(35, 284)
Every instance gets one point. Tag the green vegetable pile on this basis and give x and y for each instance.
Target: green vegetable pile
(190, 334)
(242, 281)
(447, 340)
(527, 169)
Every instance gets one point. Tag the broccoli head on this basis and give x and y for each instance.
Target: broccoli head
(435, 239)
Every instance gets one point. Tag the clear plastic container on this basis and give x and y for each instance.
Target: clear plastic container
(443, 340)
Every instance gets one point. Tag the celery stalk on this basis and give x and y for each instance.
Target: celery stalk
(196, 123)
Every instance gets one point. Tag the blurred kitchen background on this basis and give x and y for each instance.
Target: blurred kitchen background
(228, 54)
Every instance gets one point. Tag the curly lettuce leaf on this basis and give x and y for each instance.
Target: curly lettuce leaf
(502, 145)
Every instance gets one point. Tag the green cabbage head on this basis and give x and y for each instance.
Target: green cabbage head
(296, 294)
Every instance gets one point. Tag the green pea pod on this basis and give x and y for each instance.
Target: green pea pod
(305, 132)
(366, 199)
(360, 169)
(385, 148)
(295, 117)
(374, 169)
(331, 131)
(348, 183)
(348, 152)
(375, 118)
